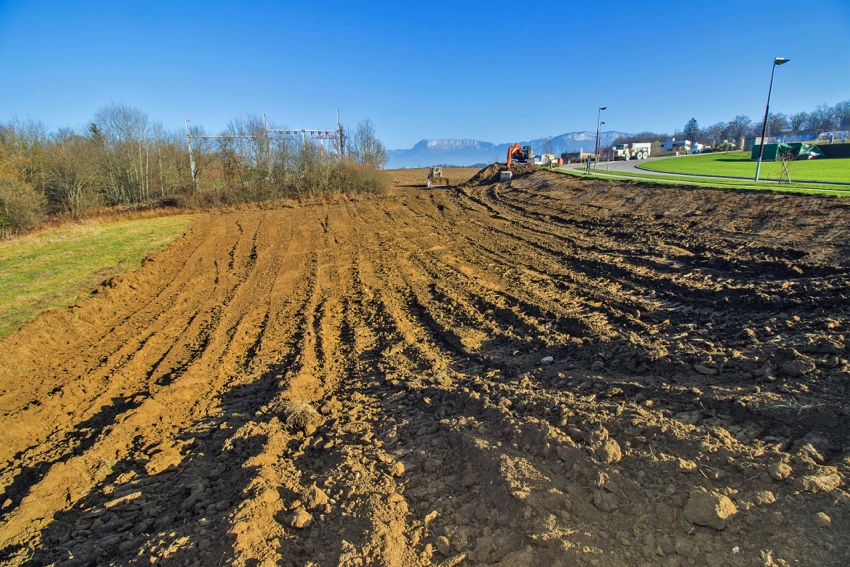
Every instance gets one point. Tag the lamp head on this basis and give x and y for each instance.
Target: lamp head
(780, 61)
(602, 107)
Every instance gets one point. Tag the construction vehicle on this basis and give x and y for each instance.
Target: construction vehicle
(516, 154)
(550, 160)
(435, 177)
(637, 150)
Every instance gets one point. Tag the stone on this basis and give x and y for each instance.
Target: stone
(797, 368)
(397, 469)
(443, 546)
(547, 360)
(765, 497)
(692, 417)
(779, 471)
(454, 560)
(300, 519)
(605, 501)
(705, 370)
(609, 452)
(597, 366)
(123, 499)
(709, 509)
(822, 520)
(164, 460)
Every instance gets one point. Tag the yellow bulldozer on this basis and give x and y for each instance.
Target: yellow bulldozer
(436, 179)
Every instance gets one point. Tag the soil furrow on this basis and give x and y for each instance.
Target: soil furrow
(554, 371)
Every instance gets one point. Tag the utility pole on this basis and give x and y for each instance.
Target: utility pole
(191, 155)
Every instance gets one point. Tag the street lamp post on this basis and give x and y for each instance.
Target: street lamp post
(596, 152)
(777, 61)
(600, 148)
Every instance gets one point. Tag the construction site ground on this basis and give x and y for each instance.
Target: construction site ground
(555, 371)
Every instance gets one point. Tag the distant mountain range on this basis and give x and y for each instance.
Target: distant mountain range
(470, 152)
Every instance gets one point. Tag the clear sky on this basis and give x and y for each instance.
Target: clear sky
(494, 71)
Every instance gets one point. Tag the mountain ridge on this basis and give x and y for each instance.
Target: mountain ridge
(467, 151)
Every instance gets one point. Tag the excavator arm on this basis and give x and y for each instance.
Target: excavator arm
(515, 150)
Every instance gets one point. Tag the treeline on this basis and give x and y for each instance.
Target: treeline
(824, 118)
(126, 159)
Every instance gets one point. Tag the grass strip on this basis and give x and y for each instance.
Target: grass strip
(55, 267)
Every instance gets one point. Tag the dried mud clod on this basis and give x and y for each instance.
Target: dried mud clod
(302, 415)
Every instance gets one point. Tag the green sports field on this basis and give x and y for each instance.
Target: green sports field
(739, 164)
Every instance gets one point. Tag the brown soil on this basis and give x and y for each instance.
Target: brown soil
(552, 372)
(418, 177)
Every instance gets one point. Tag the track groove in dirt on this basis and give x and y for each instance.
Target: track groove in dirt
(554, 371)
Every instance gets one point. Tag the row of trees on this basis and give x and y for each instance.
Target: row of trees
(823, 119)
(124, 158)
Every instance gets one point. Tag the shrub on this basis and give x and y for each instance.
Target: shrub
(21, 208)
(351, 177)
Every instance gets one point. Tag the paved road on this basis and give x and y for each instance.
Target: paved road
(615, 166)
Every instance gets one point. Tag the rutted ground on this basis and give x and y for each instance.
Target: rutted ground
(558, 371)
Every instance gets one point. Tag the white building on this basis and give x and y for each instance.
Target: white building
(682, 146)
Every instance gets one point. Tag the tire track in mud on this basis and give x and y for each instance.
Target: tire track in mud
(365, 383)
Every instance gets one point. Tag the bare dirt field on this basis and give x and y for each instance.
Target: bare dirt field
(553, 372)
(417, 177)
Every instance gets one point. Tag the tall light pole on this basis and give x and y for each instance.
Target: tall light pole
(777, 61)
(603, 123)
(596, 153)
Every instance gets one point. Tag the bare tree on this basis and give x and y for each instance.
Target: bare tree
(126, 156)
(713, 134)
(72, 176)
(842, 114)
(822, 118)
(364, 146)
(776, 124)
(798, 121)
(740, 127)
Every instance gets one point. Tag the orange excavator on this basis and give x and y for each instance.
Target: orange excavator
(517, 154)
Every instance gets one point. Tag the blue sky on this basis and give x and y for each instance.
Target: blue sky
(494, 71)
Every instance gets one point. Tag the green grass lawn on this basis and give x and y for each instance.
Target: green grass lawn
(55, 267)
(738, 164)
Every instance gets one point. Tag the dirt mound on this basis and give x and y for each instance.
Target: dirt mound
(554, 371)
(492, 172)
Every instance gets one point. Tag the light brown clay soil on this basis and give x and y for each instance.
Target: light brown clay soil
(552, 372)
(418, 177)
